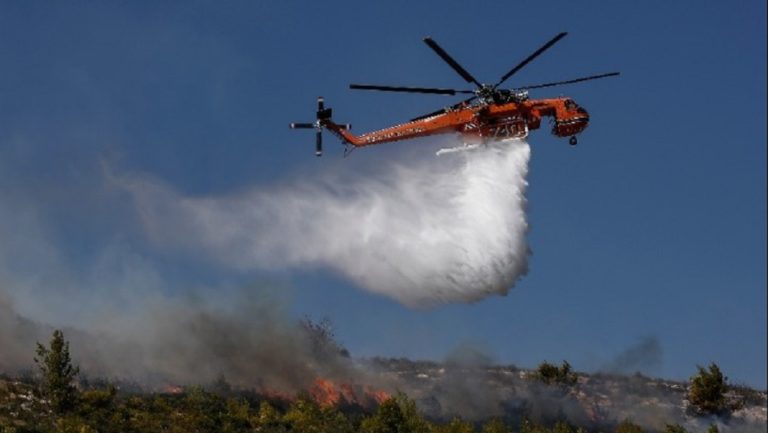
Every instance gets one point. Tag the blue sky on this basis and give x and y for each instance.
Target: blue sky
(653, 227)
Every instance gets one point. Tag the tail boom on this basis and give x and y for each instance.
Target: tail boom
(438, 124)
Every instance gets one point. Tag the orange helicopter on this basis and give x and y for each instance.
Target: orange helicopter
(491, 114)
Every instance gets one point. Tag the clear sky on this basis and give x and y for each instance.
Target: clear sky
(652, 229)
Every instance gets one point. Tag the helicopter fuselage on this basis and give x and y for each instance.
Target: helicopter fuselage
(479, 123)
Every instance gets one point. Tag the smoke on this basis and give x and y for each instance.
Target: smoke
(253, 344)
(463, 389)
(129, 319)
(438, 230)
(644, 356)
(17, 337)
(468, 384)
(448, 229)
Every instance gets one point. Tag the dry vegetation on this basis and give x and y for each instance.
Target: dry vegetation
(55, 400)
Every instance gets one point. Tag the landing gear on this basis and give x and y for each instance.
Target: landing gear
(572, 141)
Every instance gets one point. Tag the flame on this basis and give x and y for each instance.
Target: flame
(347, 392)
(326, 393)
(173, 389)
(379, 396)
(274, 395)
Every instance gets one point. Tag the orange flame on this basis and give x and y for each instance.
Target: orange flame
(327, 394)
(324, 392)
(377, 395)
(173, 389)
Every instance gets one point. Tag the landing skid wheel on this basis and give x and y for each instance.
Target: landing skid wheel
(572, 141)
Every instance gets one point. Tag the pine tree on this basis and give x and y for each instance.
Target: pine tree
(58, 373)
(552, 374)
(707, 391)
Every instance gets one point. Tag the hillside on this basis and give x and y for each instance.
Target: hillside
(441, 392)
(595, 401)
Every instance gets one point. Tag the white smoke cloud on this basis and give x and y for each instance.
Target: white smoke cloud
(448, 229)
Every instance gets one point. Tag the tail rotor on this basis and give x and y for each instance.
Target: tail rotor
(323, 115)
(323, 120)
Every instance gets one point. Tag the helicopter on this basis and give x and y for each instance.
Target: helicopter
(490, 114)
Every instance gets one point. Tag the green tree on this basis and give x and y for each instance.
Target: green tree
(58, 372)
(496, 426)
(713, 429)
(306, 416)
(456, 425)
(552, 374)
(269, 419)
(627, 426)
(388, 418)
(707, 390)
(197, 411)
(396, 414)
(563, 427)
(72, 424)
(98, 406)
(237, 416)
(413, 419)
(528, 426)
(675, 428)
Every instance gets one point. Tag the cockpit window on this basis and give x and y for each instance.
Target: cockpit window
(570, 105)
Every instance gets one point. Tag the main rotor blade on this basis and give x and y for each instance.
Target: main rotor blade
(454, 64)
(443, 110)
(408, 89)
(536, 53)
(575, 80)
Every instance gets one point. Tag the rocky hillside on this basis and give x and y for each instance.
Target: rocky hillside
(595, 401)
